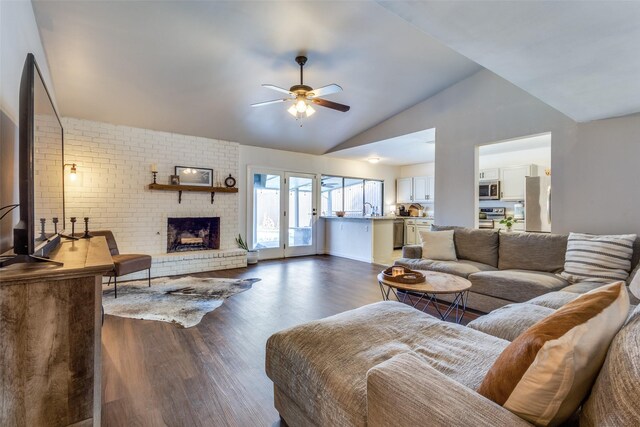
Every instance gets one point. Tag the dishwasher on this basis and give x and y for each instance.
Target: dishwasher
(398, 233)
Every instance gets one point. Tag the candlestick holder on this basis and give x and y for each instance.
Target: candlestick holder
(154, 176)
(43, 236)
(73, 226)
(55, 224)
(86, 228)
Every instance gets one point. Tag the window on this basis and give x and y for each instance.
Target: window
(355, 196)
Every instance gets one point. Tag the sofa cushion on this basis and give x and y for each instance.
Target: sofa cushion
(532, 251)
(545, 373)
(614, 396)
(554, 300)
(474, 245)
(511, 320)
(515, 285)
(438, 245)
(594, 258)
(323, 364)
(462, 268)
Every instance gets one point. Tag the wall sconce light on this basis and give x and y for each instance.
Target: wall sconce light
(73, 174)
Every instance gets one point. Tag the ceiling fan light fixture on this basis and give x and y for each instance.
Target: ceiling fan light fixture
(310, 110)
(301, 106)
(292, 110)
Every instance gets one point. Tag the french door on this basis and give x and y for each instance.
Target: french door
(283, 213)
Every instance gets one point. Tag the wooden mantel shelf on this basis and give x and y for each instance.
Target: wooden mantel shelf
(194, 188)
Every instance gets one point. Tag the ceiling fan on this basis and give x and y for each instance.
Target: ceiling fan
(303, 96)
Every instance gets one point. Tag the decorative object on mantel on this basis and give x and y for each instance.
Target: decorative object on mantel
(193, 188)
(252, 254)
(183, 301)
(230, 182)
(340, 213)
(508, 222)
(173, 180)
(202, 177)
(154, 171)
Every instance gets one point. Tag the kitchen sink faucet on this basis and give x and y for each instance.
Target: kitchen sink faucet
(364, 208)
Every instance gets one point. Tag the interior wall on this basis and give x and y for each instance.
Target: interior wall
(485, 108)
(603, 172)
(308, 163)
(534, 156)
(420, 169)
(18, 36)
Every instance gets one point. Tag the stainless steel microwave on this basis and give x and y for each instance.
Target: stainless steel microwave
(489, 190)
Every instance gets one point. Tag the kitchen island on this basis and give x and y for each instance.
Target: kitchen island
(368, 239)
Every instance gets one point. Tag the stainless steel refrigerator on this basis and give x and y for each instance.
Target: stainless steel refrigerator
(537, 204)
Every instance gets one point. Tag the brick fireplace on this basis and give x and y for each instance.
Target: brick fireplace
(193, 234)
(112, 189)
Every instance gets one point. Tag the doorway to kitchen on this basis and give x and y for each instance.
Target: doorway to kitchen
(513, 183)
(283, 213)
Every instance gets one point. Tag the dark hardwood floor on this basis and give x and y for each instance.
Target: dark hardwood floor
(158, 374)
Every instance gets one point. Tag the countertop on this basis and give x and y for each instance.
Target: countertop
(378, 218)
(362, 218)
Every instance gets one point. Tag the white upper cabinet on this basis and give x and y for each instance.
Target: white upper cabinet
(512, 181)
(489, 174)
(423, 189)
(418, 189)
(404, 190)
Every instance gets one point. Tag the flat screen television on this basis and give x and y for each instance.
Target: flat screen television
(40, 169)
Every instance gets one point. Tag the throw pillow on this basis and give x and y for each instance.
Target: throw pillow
(592, 258)
(545, 373)
(634, 286)
(438, 245)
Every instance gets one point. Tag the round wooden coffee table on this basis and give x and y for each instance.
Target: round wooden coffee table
(435, 284)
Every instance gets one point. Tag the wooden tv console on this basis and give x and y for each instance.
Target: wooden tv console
(50, 337)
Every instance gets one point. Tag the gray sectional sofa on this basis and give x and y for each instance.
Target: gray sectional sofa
(504, 267)
(387, 364)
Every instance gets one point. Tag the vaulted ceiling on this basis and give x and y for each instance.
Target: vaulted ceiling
(195, 67)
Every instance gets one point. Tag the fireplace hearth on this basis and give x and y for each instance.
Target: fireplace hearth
(193, 234)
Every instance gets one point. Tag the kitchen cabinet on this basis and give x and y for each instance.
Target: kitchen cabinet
(423, 187)
(489, 174)
(419, 189)
(404, 190)
(422, 225)
(410, 232)
(512, 181)
(413, 227)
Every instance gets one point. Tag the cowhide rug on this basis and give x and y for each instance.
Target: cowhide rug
(184, 300)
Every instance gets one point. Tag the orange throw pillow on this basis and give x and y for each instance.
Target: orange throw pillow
(545, 373)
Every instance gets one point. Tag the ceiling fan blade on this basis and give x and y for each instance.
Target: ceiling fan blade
(325, 90)
(331, 104)
(279, 89)
(275, 101)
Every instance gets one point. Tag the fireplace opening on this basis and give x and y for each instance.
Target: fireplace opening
(193, 234)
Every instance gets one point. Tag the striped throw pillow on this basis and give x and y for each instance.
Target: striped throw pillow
(592, 258)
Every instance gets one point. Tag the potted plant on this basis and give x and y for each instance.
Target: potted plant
(508, 222)
(252, 254)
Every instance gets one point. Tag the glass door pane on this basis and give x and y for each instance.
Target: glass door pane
(300, 214)
(266, 211)
(300, 211)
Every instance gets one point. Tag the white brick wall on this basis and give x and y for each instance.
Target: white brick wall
(114, 169)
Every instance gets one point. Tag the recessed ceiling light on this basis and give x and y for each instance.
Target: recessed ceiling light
(374, 160)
